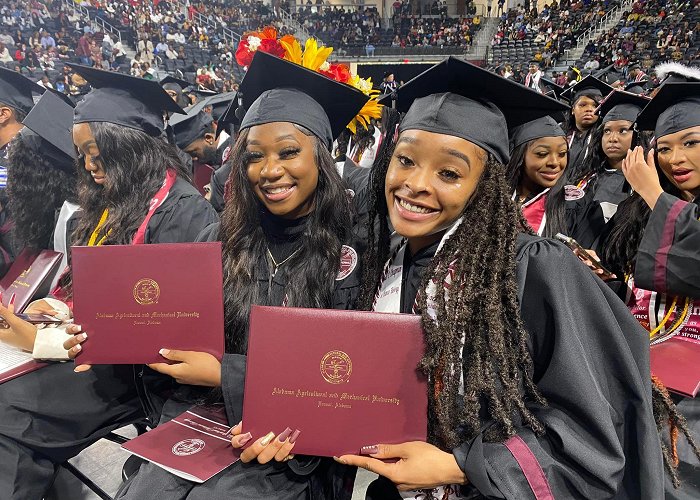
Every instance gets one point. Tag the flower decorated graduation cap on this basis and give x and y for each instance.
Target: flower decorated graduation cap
(16, 90)
(621, 105)
(48, 129)
(124, 100)
(588, 87)
(460, 99)
(676, 107)
(339, 91)
(275, 90)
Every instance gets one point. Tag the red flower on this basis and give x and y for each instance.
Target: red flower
(338, 72)
(265, 40)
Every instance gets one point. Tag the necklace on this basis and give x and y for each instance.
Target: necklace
(276, 265)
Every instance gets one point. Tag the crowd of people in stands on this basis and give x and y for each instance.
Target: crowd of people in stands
(652, 31)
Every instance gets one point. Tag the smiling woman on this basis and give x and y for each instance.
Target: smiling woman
(530, 395)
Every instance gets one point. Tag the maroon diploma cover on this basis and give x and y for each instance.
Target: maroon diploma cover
(677, 364)
(195, 445)
(30, 276)
(133, 300)
(345, 379)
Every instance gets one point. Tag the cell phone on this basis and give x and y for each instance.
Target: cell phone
(34, 319)
(576, 246)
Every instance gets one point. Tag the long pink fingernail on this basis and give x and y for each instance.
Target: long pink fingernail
(294, 436)
(369, 450)
(285, 434)
(12, 300)
(243, 440)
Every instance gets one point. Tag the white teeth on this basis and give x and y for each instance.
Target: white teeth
(277, 190)
(413, 208)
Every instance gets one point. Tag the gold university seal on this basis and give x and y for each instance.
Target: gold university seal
(146, 292)
(336, 367)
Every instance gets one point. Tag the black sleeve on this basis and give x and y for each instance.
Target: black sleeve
(591, 363)
(182, 221)
(218, 185)
(668, 259)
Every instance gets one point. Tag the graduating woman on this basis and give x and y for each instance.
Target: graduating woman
(538, 156)
(538, 376)
(41, 177)
(654, 241)
(603, 185)
(50, 415)
(584, 97)
(283, 244)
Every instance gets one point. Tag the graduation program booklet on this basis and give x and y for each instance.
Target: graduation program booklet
(345, 379)
(195, 445)
(133, 300)
(15, 362)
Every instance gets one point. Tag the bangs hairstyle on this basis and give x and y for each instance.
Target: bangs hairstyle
(482, 306)
(35, 190)
(312, 270)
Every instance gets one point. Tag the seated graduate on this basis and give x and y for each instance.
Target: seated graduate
(41, 178)
(285, 236)
(538, 157)
(195, 134)
(174, 88)
(606, 187)
(654, 241)
(16, 101)
(538, 376)
(50, 415)
(229, 123)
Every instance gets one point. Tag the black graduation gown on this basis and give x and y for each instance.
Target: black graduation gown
(669, 262)
(50, 415)
(300, 478)
(591, 363)
(605, 192)
(578, 146)
(217, 186)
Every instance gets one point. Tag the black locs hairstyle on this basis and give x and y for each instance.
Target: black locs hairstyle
(314, 268)
(36, 190)
(493, 357)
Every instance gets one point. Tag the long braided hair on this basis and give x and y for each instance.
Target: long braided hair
(478, 326)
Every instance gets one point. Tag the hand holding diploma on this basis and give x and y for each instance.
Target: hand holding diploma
(190, 367)
(420, 465)
(267, 447)
(74, 347)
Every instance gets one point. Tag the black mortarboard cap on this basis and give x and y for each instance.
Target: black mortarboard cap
(275, 90)
(457, 98)
(16, 90)
(123, 100)
(230, 118)
(674, 108)
(589, 87)
(219, 103)
(621, 105)
(190, 127)
(636, 87)
(545, 126)
(201, 94)
(549, 86)
(51, 123)
(177, 81)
